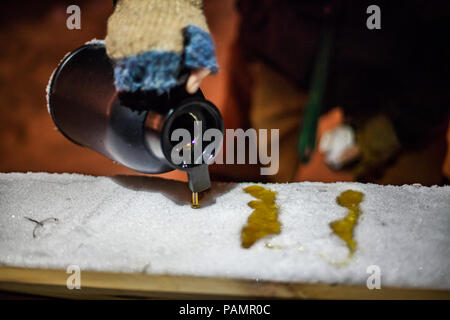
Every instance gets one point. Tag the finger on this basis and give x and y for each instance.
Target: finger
(195, 79)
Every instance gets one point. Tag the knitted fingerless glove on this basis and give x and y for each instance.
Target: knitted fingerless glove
(151, 41)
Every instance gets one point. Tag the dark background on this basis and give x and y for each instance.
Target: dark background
(34, 38)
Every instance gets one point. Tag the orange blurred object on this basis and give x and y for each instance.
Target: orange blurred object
(446, 166)
(316, 169)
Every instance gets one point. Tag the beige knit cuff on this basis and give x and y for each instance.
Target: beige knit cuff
(137, 26)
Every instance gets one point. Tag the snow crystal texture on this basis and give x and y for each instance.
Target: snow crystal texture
(143, 224)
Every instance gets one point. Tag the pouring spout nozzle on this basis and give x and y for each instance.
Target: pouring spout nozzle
(198, 180)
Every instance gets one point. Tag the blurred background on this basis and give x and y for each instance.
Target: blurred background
(392, 88)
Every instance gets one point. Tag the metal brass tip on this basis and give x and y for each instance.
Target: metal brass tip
(194, 203)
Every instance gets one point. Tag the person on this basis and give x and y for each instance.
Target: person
(389, 82)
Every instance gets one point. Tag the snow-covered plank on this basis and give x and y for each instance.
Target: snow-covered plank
(142, 224)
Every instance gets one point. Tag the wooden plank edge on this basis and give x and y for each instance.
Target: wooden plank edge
(96, 284)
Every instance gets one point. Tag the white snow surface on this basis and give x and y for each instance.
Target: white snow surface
(146, 224)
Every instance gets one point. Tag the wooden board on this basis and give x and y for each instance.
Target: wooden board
(101, 285)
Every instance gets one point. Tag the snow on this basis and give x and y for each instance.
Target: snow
(96, 41)
(335, 142)
(146, 224)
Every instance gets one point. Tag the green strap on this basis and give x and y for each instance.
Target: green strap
(307, 139)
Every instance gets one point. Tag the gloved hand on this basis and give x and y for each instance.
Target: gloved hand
(378, 144)
(152, 41)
